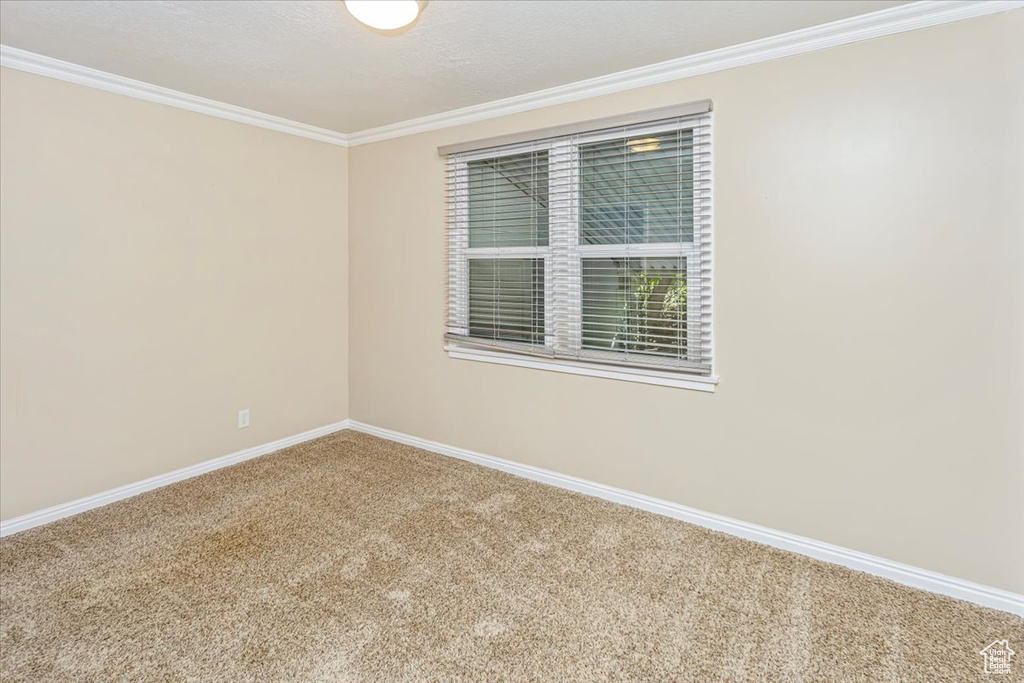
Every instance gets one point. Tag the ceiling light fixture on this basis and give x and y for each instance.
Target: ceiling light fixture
(385, 15)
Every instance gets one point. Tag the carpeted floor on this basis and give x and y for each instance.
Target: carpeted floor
(352, 558)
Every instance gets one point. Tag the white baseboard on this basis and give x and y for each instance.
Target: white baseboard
(52, 514)
(895, 571)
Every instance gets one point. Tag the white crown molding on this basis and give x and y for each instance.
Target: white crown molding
(23, 60)
(870, 564)
(52, 514)
(885, 22)
(855, 29)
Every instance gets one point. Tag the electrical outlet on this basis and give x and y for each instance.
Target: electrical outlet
(243, 418)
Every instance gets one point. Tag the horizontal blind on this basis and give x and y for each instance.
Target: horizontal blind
(591, 247)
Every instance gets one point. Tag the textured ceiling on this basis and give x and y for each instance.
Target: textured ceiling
(309, 61)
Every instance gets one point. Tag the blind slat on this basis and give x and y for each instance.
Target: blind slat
(592, 247)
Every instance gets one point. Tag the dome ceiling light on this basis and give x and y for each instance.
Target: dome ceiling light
(385, 15)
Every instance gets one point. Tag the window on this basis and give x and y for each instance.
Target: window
(587, 252)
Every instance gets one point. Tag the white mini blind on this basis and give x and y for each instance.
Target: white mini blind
(591, 247)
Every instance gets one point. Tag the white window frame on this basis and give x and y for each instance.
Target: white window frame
(563, 233)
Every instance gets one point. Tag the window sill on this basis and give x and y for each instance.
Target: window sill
(658, 377)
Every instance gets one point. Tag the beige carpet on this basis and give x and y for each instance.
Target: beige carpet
(351, 558)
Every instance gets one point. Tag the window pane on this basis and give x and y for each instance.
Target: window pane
(508, 201)
(635, 305)
(637, 190)
(506, 299)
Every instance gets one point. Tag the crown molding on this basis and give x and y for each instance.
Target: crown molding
(31, 62)
(909, 17)
(885, 22)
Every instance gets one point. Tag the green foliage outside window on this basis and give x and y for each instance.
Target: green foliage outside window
(653, 315)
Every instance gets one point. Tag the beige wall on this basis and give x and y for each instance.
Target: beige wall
(870, 308)
(160, 271)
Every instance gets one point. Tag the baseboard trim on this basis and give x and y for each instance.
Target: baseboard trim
(870, 564)
(52, 514)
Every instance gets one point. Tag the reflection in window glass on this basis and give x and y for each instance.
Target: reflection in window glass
(508, 201)
(637, 190)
